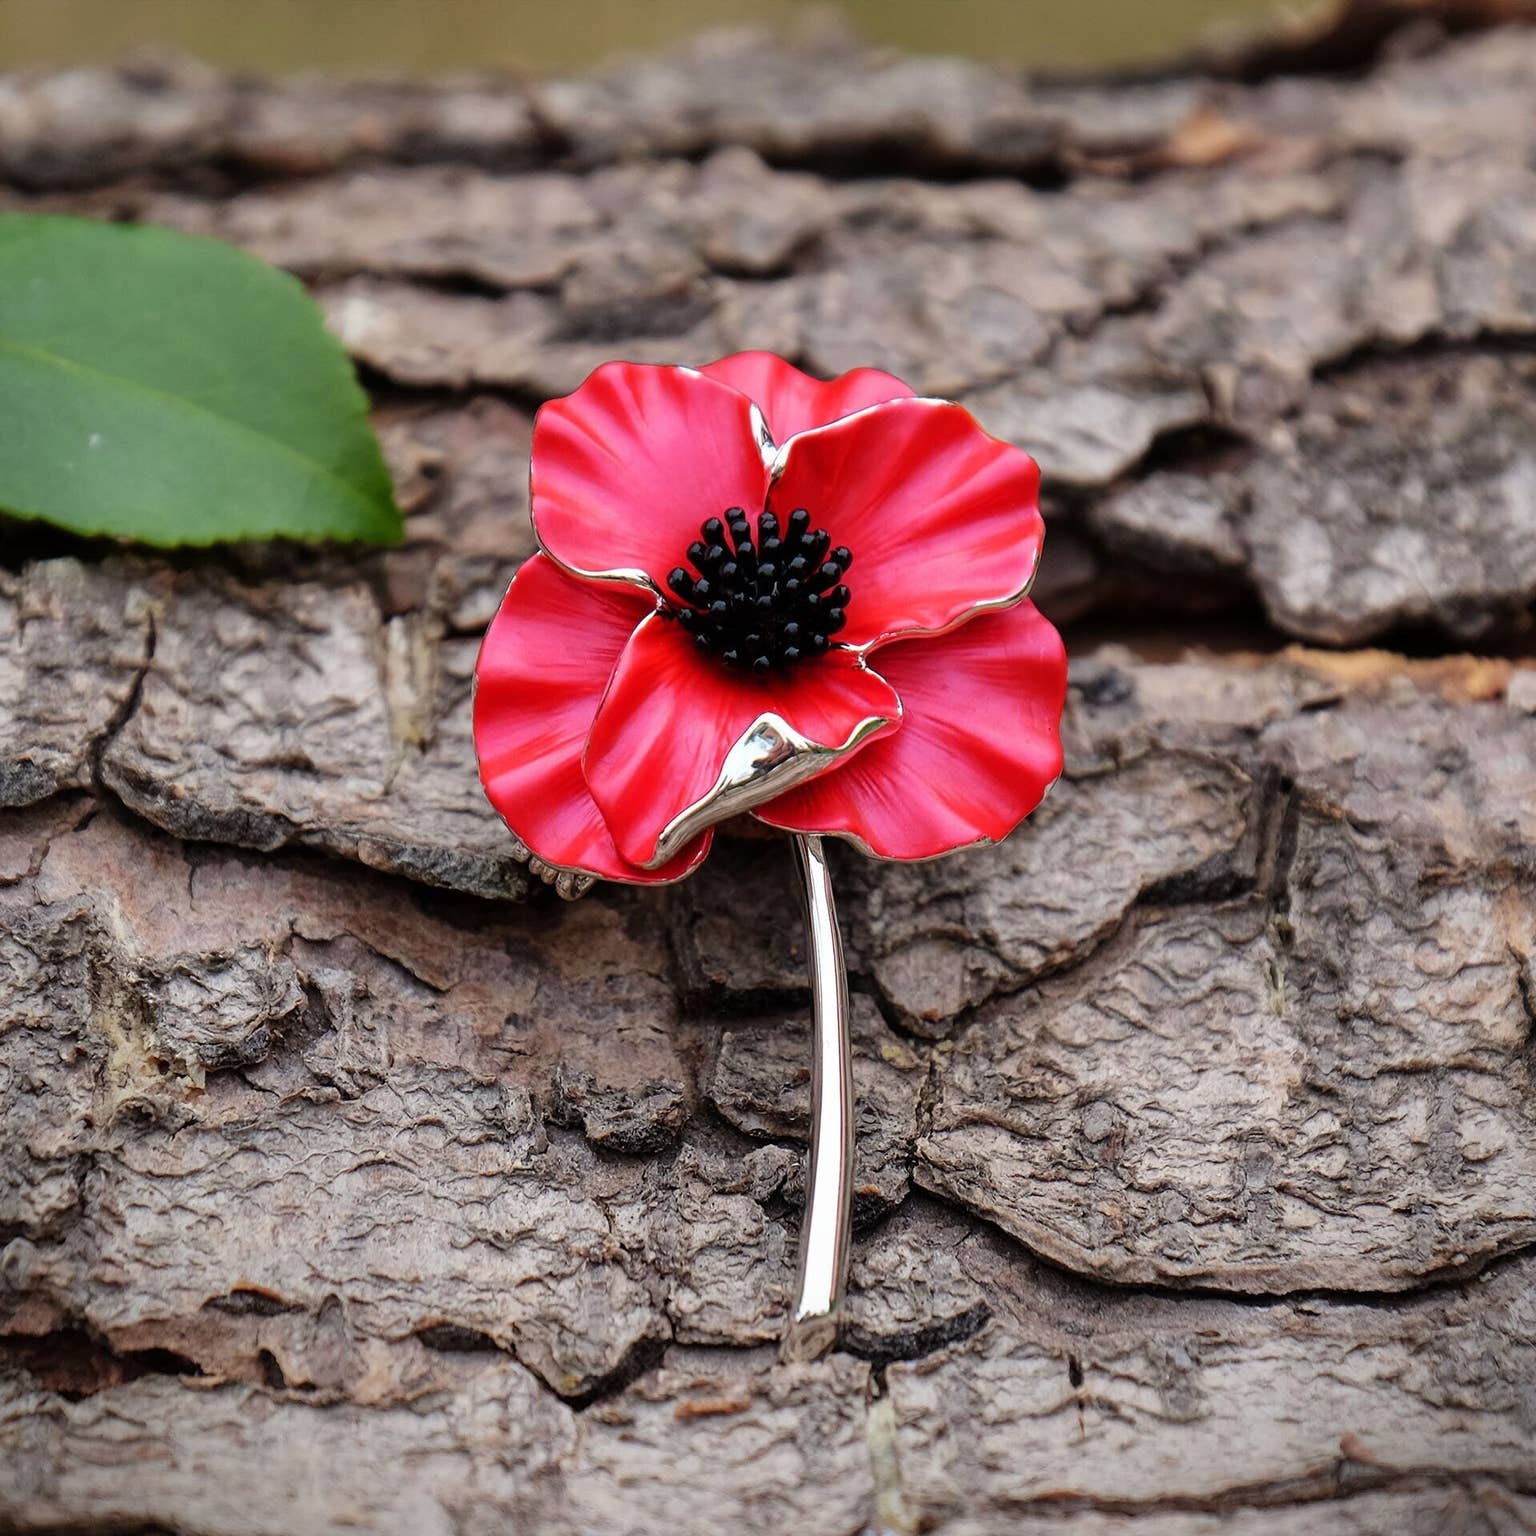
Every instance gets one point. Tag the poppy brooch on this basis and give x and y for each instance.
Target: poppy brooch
(762, 594)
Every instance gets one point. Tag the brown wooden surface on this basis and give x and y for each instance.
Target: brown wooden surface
(341, 1188)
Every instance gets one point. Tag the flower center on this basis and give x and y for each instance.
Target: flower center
(761, 605)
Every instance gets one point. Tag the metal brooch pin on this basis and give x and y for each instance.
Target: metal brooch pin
(758, 593)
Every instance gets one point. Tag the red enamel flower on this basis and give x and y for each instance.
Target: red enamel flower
(760, 592)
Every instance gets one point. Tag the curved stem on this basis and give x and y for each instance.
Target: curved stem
(829, 1182)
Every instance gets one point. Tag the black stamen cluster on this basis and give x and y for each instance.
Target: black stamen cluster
(762, 604)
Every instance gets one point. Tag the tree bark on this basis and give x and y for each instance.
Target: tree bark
(349, 1180)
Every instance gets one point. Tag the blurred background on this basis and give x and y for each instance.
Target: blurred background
(373, 36)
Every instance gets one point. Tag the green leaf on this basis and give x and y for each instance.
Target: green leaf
(173, 390)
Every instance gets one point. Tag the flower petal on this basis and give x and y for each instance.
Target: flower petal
(627, 468)
(682, 742)
(794, 401)
(979, 744)
(546, 659)
(941, 518)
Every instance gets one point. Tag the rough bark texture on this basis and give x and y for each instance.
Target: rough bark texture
(342, 1188)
